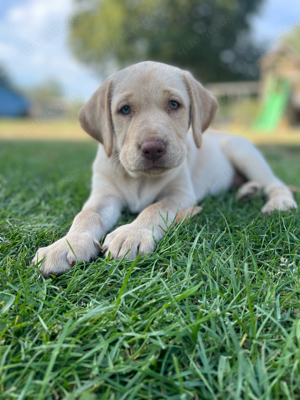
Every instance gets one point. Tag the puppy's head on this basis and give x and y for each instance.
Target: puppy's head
(144, 112)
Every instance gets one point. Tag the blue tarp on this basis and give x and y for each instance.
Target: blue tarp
(12, 104)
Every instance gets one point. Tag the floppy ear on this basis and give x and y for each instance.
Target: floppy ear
(95, 116)
(203, 107)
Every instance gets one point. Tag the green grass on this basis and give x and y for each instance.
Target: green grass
(212, 314)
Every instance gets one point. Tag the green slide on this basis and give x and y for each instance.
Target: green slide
(278, 93)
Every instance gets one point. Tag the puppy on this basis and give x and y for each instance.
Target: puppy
(152, 159)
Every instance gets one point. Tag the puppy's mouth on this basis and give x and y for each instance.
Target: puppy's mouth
(154, 167)
(154, 170)
(160, 166)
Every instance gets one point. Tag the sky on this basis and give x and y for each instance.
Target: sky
(34, 48)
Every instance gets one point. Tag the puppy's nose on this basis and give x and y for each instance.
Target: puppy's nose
(153, 149)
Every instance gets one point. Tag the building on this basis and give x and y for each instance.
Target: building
(12, 104)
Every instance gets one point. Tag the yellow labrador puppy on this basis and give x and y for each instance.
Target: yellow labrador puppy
(152, 159)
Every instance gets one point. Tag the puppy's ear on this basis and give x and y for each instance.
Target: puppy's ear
(203, 107)
(95, 116)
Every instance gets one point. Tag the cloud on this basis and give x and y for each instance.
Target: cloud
(7, 51)
(33, 16)
(41, 26)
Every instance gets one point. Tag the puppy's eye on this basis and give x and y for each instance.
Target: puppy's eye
(125, 110)
(173, 105)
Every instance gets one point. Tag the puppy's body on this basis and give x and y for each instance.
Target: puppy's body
(150, 162)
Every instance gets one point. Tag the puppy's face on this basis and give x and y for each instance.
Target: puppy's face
(150, 111)
(144, 112)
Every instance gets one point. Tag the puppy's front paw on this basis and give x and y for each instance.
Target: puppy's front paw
(58, 257)
(280, 203)
(129, 240)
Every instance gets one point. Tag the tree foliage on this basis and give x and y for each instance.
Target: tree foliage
(293, 38)
(4, 77)
(211, 39)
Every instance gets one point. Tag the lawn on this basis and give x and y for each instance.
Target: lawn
(212, 314)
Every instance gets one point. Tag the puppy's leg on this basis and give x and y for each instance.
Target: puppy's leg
(248, 189)
(81, 243)
(248, 160)
(137, 237)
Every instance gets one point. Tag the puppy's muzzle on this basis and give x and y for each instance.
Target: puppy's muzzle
(153, 149)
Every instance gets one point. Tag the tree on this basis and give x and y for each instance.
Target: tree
(50, 89)
(4, 79)
(209, 38)
(292, 38)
